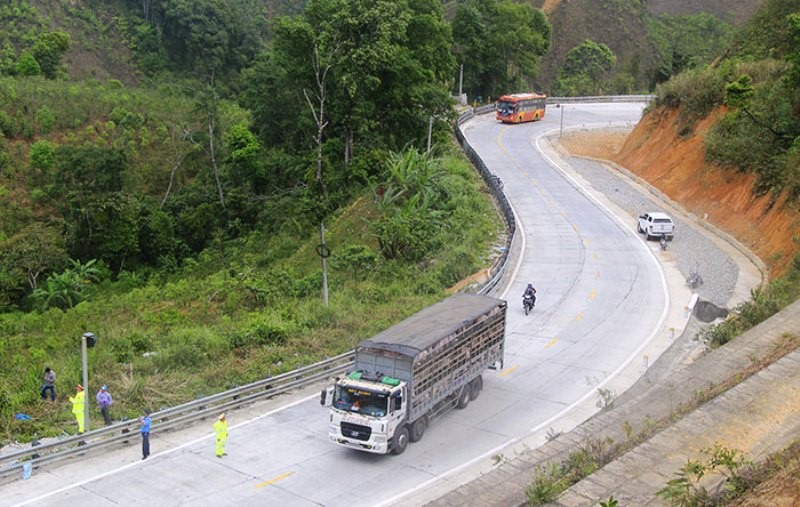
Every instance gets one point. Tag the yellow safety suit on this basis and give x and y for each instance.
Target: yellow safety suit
(221, 429)
(78, 404)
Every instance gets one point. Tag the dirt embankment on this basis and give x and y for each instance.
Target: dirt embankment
(677, 167)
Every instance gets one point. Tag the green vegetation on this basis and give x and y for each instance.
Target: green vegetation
(178, 221)
(551, 480)
(500, 44)
(585, 70)
(759, 132)
(687, 42)
(245, 309)
(685, 489)
(764, 303)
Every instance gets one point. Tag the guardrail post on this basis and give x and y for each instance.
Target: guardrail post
(34, 444)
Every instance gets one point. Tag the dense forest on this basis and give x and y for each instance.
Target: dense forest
(173, 198)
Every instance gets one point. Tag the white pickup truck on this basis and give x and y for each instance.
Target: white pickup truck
(655, 224)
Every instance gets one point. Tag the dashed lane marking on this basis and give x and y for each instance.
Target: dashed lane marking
(507, 371)
(276, 479)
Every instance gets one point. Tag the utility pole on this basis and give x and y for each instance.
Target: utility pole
(561, 131)
(86, 337)
(461, 81)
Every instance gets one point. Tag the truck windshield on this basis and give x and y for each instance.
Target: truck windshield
(353, 399)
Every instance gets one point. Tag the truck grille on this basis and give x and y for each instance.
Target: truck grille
(357, 431)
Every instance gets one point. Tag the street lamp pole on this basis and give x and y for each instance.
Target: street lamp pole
(85, 362)
(562, 121)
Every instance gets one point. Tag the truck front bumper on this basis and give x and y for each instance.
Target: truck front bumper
(368, 446)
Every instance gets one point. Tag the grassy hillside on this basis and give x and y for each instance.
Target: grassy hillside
(241, 311)
(180, 225)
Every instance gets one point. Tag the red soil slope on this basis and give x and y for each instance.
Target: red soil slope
(677, 167)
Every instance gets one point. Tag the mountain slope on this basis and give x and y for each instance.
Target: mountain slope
(623, 27)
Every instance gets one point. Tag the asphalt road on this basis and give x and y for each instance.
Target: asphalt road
(603, 305)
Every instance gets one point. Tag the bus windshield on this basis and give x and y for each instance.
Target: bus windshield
(352, 399)
(505, 108)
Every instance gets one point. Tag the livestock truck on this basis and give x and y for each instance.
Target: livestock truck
(407, 375)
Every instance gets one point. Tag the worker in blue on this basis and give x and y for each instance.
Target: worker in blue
(145, 423)
(104, 401)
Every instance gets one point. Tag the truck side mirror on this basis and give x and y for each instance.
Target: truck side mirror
(398, 402)
(326, 396)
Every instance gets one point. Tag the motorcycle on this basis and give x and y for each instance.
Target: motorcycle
(694, 280)
(527, 303)
(663, 243)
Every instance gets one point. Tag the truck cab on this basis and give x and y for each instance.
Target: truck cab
(366, 411)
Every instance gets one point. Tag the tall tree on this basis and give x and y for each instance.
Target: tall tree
(500, 44)
(210, 36)
(49, 50)
(389, 73)
(585, 67)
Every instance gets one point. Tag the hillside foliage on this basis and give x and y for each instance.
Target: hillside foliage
(178, 220)
(759, 128)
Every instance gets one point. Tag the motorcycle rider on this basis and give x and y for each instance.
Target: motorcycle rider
(531, 293)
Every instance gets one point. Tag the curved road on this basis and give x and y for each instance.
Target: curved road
(602, 297)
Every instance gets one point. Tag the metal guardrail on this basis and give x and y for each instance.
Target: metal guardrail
(600, 98)
(495, 185)
(170, 418)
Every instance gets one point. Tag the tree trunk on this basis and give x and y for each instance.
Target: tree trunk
(211, 113)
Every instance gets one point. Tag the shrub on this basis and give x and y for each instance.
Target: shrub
(698, 92)
(45, 119)
(547, 484)
(42, 155)
(188, 349)
(262, 330)
(357, 259)
(27, 65)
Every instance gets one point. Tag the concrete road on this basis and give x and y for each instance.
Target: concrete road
(603, 312)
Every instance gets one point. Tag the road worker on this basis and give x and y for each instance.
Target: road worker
(78, 403)
(221, 430)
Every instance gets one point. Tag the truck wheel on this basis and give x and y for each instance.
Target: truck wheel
(400, 441)
(475, 387)
(463, 397)
(418, 429)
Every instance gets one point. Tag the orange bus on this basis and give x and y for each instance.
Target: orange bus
(521, 107)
